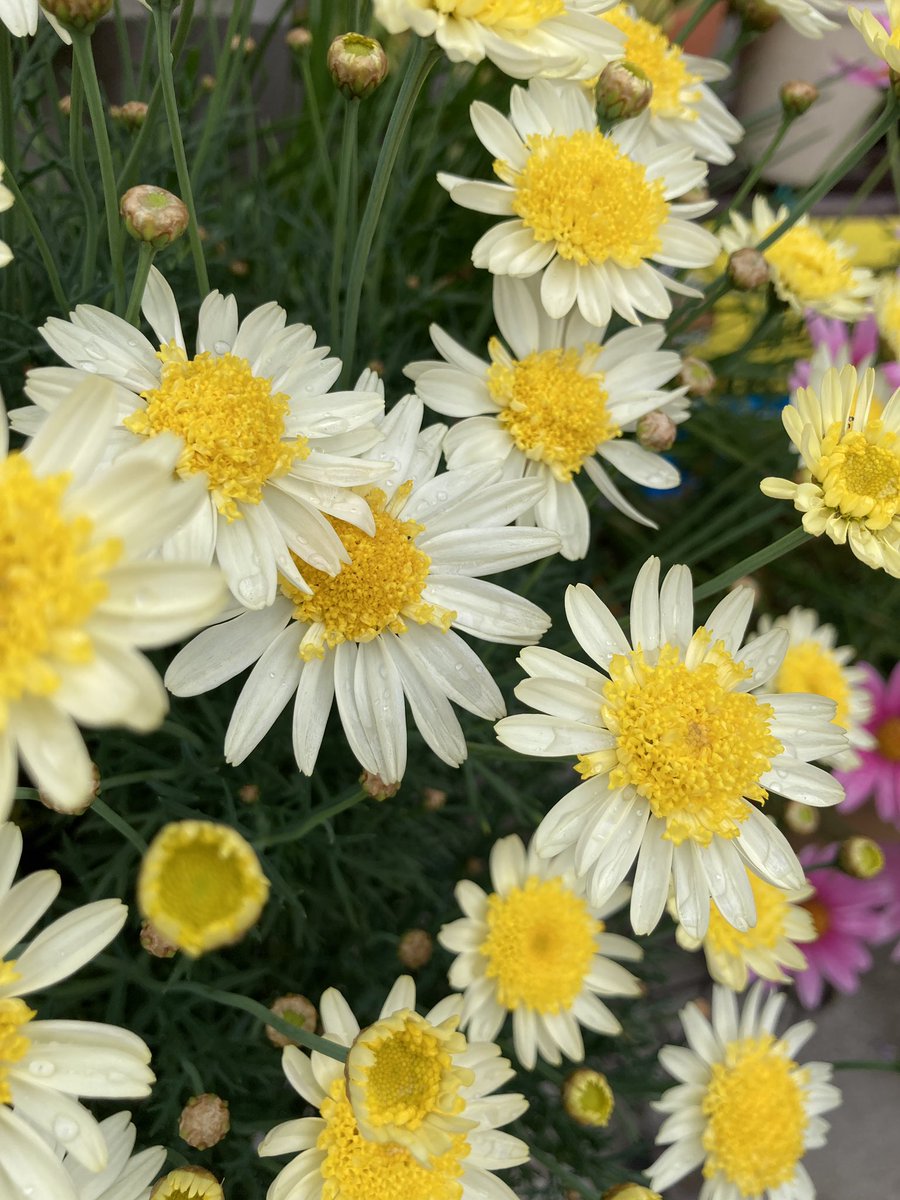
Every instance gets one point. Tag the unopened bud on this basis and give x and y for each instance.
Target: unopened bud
(132, 114)
(433, 799)
(656, 431)
(204, 1121)
(756, 14)
(748, 269)
(249, 793)
(296, 1010)
(153, 215)
(239, 267)
(80, 15)
(631, 1191)
(797, 96)
(247, 44)
(861, 857)
(64, 104)
(415, 949)
(697, 376)
(298, 39)
(623, 91)
(588, 1098)
(801, 818)
(374, 786)
(358, 64)
(194, 1182)
(207, 83)
(154, 942)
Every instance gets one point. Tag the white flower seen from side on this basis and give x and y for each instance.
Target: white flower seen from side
(809, 17)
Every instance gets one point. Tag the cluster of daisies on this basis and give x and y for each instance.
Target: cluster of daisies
(342, 551)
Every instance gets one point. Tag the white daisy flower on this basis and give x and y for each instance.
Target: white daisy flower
(21, 18)
(45, 1065)
(853, 459)
(558, 403)
(336, 1160)
(6, 202)
(534, 947)
(381, 632)
(593, 211)
(522, 37)
(675, 749)
(815, 663)
(126, 1176)
(808, 16)
(682, 108)
(276, 449)
(743, 1109)
(78, 597)
(809, 270)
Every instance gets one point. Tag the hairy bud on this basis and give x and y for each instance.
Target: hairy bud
(80, 15)
(132, 114)
(415, 949)
(656, 431)
(861, 857)
(697, 376)
(748, 269)
(623, 91)
(204, 1121)
(151, 214)
(358, 64)
(797, 96)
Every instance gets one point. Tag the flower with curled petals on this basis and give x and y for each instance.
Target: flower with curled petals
(884, 42)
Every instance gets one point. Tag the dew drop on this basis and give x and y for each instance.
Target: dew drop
(41, 1068)
(90, 367)
(221, 347)
(64, 1129)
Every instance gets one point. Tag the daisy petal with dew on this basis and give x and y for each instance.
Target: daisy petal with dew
(676, 751)
(126, 1176)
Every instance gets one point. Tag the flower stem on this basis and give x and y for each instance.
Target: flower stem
(146, 254)
(311, 105)
(694, 20)
(349, 150)
(34, 228)
(111, 817)
(765, 158)
(319, 817)
(82, 182)
(752, 562)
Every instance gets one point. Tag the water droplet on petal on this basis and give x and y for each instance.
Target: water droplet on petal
(64, 1129)
(221, 347)
(41, 1068)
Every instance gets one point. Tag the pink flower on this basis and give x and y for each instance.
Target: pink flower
(857, 346)
(849, 914)
(878, 772)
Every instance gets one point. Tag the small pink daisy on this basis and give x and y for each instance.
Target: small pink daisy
(835, 343)
(849, 915)
(878, 773)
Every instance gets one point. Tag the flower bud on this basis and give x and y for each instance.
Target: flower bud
(748, 269)
(623, 91)
(358, 64)
(132, 114)
(433, 799)
(296, 1010)
(656, 431)
(153, 215)
(756, 14)
(249, 793)
(797, 96)
(801, 818)
(588, 1098)
(80, 15)
(631, 1191)
(64, 104)
(239, 267)
(298, 39)
(374, 786)
(861, 857)
(188, 1183)
(697, 376)
(207, 83)
(204, 1121)
(415, 949)
(247, 44)
(751, 582)
(154, 942)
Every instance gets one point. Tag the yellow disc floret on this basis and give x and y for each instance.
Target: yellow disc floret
(379, 590)
(808, 266)
(356, 1168)
(647, 47)
(772, 911)
(756, 1117)
(811, 667)
(231, 422)
(887, 736)
(688, 743)
(540, 944)
(554, 410)
(588, 1098)
(584, 194)
(506, 16)
(188, 1183)
(14, 1014)
(51, 581)
(859, 471)
(201, 885)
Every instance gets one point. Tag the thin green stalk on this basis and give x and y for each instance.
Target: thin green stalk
(228, 63)
(162, 18)
(342, 216)
(84, 59)
(421, 61)
(124, 47)
(863, 1065)
(893, 140)
(765, 158)
(694, 20)
(34, 228)
(752, 563)
(111, 817)
(146, 254)
(311, 104)
(319, 817)
(82, 181)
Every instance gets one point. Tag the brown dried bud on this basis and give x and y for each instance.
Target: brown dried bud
(194, 1182)
(748, 269)
(153, 215)
(433, 799)
(239, 267)
(801, 818)
(154, 942)
(204, 1121)
(861, 857)
(298, 39)
(631, 1191)
(588, 1098)
(697, 376)
(207, 83)
(756, 14)
(247, 44)
(415, 949)
(80, 15)
(64, 104)
(358, 64)
(132, 114)
(623, 91)
(296, 1010)
(249, 793)
(375, 786)
(656, 431)
(797, 96)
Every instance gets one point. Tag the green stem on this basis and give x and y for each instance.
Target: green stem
(265, 1015)
(349, 151)
(421, 61)
(228, 63)
(752, 562)
(694, 20)
(311, 103)
(124, 49)
(894, 159)
(82, 181)
(162, 18)
(146, 254)
(7, 108)
(319, 817)
(111, 817)
(34, 228)
(753, 175)
(84, 59)
(862, 1065)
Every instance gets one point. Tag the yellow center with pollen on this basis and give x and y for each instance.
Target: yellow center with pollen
(688, 743)
(808, 266)
(756, 1117)
(51, 581)
(590, 199)
(230, 421)
(772, 911)
(588, 1098)
(540, 944)
(888, 737)
(647, 47)
(554, 411)
(859, 471)
(14, 1015)
(405, 1082)
(356, 1168)
(812, 667)
(379, 590)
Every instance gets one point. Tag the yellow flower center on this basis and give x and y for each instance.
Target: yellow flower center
(540, 944)
(14, 1014)
(201, 885)
(688, 743)
(888, 738)
(379, 589)
(812, 667)
(808, 265)
(589, 198)
(859, 471)
(355, 1168)
(554, 411)
(756, 1116)
(51, 581)
(230, 421)
(820, 915)
(648, 48)
(588, 1098)
(772, 909)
